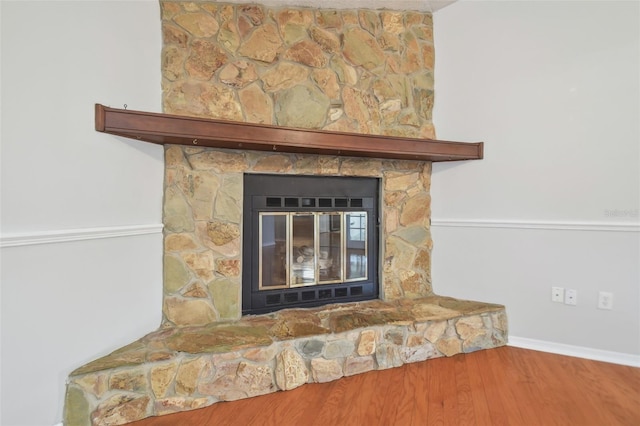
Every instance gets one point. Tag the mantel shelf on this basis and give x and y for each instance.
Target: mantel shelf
(193, 131)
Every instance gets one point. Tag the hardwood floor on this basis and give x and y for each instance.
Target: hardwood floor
(504, 386)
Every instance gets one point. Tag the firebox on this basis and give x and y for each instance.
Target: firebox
(308, 241)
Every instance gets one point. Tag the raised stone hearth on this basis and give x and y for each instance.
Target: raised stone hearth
(177, 369)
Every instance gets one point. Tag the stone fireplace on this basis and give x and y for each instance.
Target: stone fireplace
(344, 71)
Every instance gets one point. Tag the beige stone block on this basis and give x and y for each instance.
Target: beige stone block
(370, 21)
(94, 384)
(327, 80)
(226, 297)
(161, 377)
(169, 10)
(435, 330)
(187, 376)
(257, 106)
(177, 214)
(229, 35)
(390, 220)
(222, 233)
(499, 321)
(307, 52)
(470, 327)
(291, 370)
(367, 343)
(133, 380)
(362, 107)
(241, 381)
(357, 365)
(449, 346)
(360, 167)
(400, 181)
(388, 356)
(220, 161)
(183, 312)
(179, 242)
(198, 24)
(176, 275)
(173, 60)
(262, 45)
(416, 210)
(274, 163)
(201, 263)
(205, 59)
(120, 409)
(329, 19)
(176, 404)
(228, 267)
(238, 74)
(328, 41)
(301, 106)
(76, 407)
(414, 340)
(392, 22)
(325, 370)
(262, 354)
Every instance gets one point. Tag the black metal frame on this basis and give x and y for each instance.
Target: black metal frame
(261, 194)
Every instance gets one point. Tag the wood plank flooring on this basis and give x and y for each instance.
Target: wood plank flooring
(504, 386)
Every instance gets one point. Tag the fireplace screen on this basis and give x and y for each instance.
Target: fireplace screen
(305, 249)
(308, 241)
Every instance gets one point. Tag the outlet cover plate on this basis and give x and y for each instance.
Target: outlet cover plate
(557, 294)
(571, 297)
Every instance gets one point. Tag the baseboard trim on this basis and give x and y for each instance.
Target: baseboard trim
(69, 235)
(575, 351)
(547, 225)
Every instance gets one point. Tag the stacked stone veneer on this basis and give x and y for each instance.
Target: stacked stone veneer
(184, 368)
(361, 71)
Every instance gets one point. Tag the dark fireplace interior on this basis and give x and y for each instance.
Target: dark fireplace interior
(308, 241)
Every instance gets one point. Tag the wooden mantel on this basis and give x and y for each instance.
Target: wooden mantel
(193, 131)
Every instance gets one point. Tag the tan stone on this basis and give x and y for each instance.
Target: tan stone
(293, 24)
(308, 53)
(219, 161)
(329, 19)
(94, 384)
(274, 163)
(228, 267)
(302, 107)
(196, 290)
(284, 76)
(224, 12)
(391, 42)
(449, 346)
(222, 233)
(399, 181)
(177, 214)
(204, 60)
(470, 327)
(229, 36)
(327, 80)
(120, 409)
(263, 44)
(173, 63)
(360, 167)
(238, 74)
(175, 274)
(241, 381)
(344, 125)
(392, 22)
(413, 18)
(394, 199)
(202, 100)
(423, 260)
(435, 331)
(370, 21)
(173, 156)
(262, 354)
(291, 370)
(360, 364)
(362, 107)
(76, 407)
(499, 321)
(328, 41)
(346, 73)
(226, 207)
(413, 284)
(201, 263)
(225, 294)
(198, 24)
(388, 356)
(416, 210)
(184, 312)
(325, 370)
(169, 10)
(398, 254)
(361, 49)
(161, 378)
(257, 106)
(176, 404)
(253, 12)
(187, 376)
(428, 56)
(390, 220)
(367, 343)
(335, 113)
(133, 380)
(179, 242)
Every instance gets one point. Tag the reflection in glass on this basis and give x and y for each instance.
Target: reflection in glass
(273, 250)
(356, 252)
(330, 256)
(303, 259)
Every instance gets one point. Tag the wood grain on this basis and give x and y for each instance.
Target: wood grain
(503, 386)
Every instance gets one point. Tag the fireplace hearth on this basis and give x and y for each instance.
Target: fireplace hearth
(308, 241)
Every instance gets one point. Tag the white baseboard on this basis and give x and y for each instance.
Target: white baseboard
(546, 225)
(575, 351)
(67, 235)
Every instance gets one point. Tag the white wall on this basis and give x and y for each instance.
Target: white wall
(67, 303)
(553, 90)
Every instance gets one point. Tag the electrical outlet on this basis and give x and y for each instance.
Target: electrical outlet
(557, 294)
(605, 300)
(571, 297)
